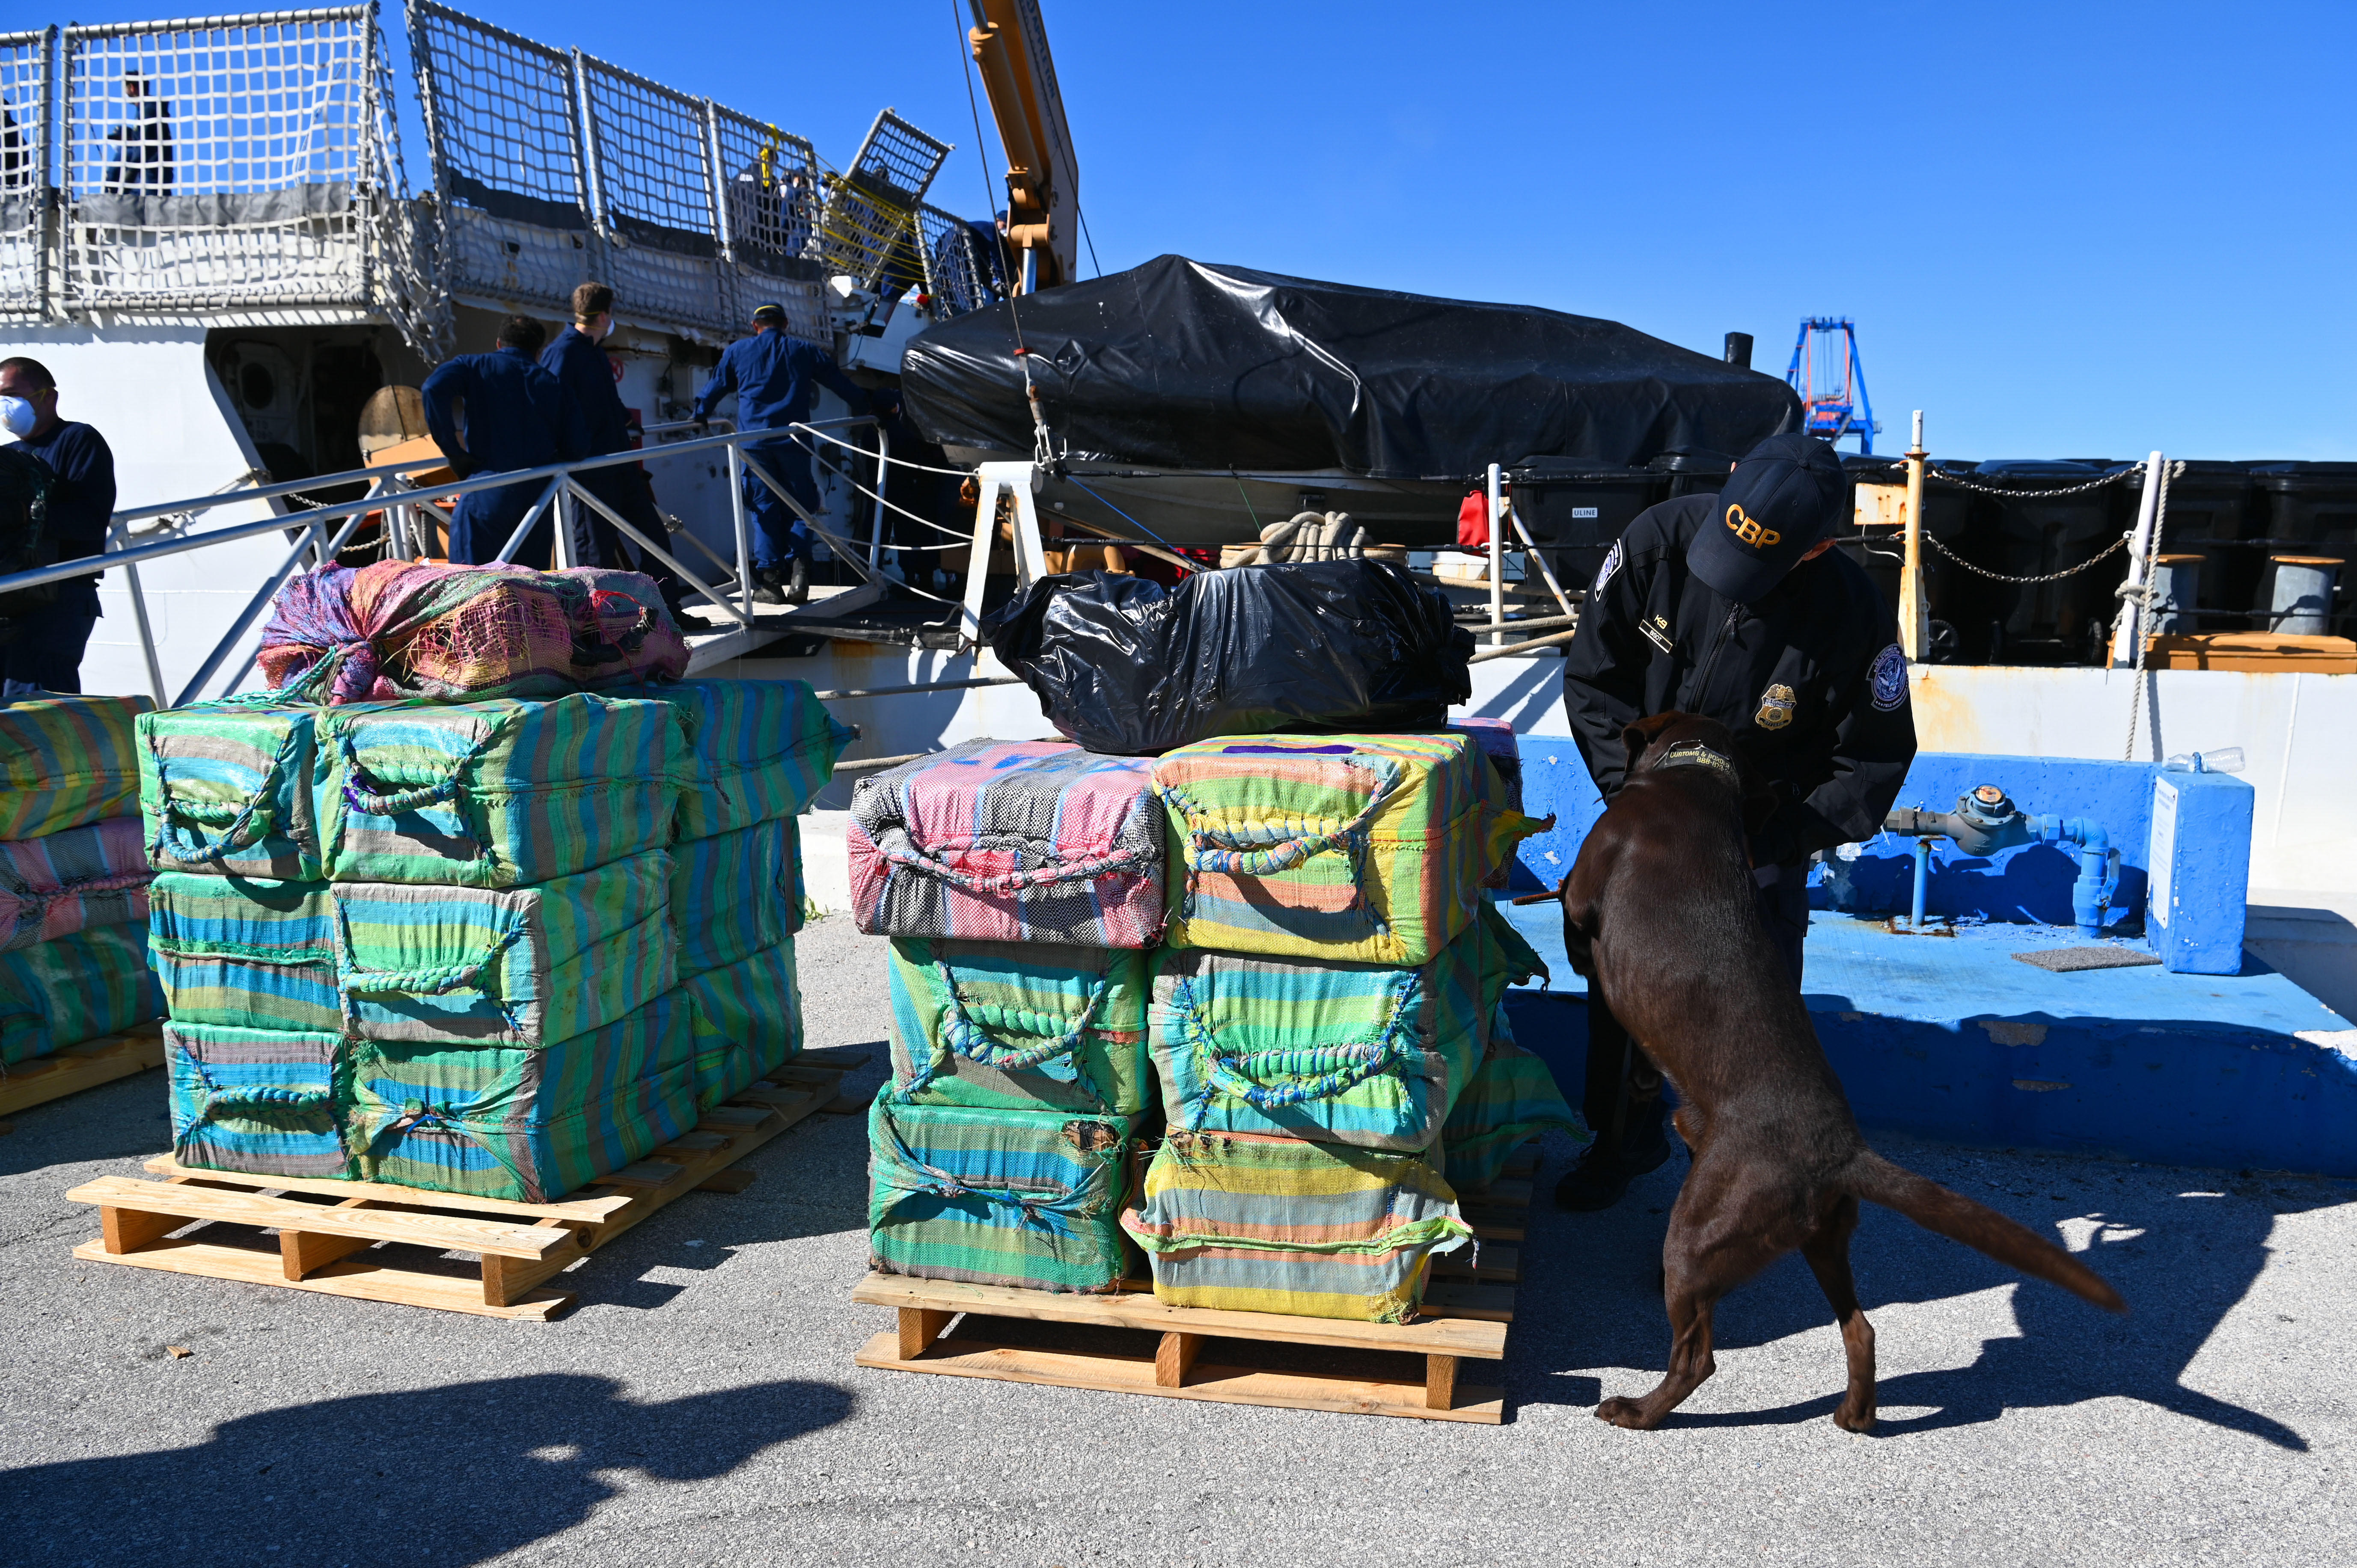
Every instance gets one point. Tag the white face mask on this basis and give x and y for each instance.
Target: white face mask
(18, 415)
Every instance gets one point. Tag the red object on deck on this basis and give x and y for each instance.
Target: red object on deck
(1473, 523)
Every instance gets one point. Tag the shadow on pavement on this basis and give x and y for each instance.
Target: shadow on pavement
(433, 1477)
(2182, 1246)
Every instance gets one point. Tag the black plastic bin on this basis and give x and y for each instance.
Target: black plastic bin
(2030, 531)
(1696, 471)
(1574, 510)
(2307, 509)
(2211, 511)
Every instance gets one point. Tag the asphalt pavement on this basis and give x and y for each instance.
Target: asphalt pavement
(700, 1404)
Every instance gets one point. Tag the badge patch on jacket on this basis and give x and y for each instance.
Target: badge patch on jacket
(1657, 632)
(1889, 678)
(1776, 704)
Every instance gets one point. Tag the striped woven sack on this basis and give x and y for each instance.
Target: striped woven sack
(1025, 1026)
(1498, 742)
(762, 750)
(734, 893)
(1341, 1053)
(513, 966)
(495, 794)
(1026, 1199)
(1366, 848)
(226, 788)
(1254, 1224)
(82, 987)
(525, 1125)
(254, 1100)
(1513, 1098)
(73, 880)
(1011, 841)
(747, 1020)
(67, 762)
(245, 953)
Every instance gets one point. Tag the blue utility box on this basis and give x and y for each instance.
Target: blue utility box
(2199, 871)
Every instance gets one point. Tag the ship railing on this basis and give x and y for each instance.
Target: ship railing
(395, 497)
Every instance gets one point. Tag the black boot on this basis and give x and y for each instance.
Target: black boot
(798, 580)
(1602, 1175)
(766, 589)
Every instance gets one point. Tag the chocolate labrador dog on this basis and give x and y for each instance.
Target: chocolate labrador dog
(1658, 914)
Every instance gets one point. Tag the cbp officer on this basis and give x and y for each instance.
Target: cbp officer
(45, 653)
(517, 416)
(775, 376)
(1736, 606)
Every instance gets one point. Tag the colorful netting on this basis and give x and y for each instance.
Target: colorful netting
(408, 628)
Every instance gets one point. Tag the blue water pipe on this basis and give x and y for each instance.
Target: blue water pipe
(1986, 821)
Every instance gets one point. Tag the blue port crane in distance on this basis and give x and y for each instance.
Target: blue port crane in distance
(1831, 380)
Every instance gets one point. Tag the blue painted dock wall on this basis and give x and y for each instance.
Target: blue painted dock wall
(2029, 884)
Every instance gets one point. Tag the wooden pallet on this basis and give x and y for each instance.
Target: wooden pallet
(1465, 1315)
(76, 1068)
(339, 1238)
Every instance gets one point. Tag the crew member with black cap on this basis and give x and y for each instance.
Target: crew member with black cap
(494, 412)
(1736, 606)
(775, 376)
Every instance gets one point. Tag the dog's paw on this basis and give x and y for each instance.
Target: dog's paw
(1854, 1416)
(1625, 1413)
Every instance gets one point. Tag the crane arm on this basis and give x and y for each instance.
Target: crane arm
(1043, 179)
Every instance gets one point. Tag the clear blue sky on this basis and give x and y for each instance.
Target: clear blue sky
(2081, 229)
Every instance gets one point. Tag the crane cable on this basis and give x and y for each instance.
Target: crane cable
(1042, 448)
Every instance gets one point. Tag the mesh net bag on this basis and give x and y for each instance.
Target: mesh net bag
(405, 629)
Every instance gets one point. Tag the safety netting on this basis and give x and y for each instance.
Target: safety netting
(224, 162)
(28, 69)
(869, 229)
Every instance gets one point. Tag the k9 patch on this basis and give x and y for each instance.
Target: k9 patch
(1888, 680)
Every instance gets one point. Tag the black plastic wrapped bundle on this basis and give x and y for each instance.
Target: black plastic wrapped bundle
(1131, 668)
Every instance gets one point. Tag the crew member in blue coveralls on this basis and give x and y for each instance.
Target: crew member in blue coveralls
(575, 357)
(775, 375)
(517, 416)
(1729, 606)
(46, 653)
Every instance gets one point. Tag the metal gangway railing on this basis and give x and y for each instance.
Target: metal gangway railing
(321, 532)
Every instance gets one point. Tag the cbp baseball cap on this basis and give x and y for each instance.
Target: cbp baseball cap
(1783, 497)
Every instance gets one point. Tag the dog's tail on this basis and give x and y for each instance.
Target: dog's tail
(1952, 1215)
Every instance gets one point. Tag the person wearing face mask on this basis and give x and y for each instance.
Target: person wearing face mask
(46, 653)
(576, 360)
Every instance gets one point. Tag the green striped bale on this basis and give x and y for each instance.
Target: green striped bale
(495, 794)
(748, 1019)
(735, 893)
(761, 749)
(75, 988)
(226, 788)
(1026, 1199)
(1511, 1098)
(1025, 1026)
(1365, 1054)
(1366, 848)
(525, 1125)
(262, 1101)
(66, 762)
(1256, 1224)
(245, 952)
(511, 966)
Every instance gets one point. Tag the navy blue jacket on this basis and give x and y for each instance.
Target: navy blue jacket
(518, 415)
(1810, 679)
(772, 374)
(83, 499)
(588, 375)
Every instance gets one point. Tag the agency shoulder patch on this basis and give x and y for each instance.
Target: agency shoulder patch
(1888, 680)
(1604, 573)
